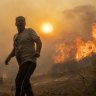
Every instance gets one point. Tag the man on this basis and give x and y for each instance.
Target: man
(26, 53)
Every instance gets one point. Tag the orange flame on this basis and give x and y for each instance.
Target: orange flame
(77, 51)
(63, 53)
(84, 48)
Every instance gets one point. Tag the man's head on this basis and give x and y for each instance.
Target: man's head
(20, 23)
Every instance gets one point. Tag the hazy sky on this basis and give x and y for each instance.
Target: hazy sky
(36, 13)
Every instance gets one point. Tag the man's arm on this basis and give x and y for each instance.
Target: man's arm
(12, 54)
(38, 47)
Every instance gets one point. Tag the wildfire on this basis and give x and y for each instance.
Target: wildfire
(78, 50)
(84, 48)
(63, 52)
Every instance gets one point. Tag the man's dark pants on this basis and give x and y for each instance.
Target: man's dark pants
(22, 81)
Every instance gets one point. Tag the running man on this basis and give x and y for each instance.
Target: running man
(26, 54)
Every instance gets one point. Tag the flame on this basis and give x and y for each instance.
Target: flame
(78, 50)
(63, 52)
(84, 48)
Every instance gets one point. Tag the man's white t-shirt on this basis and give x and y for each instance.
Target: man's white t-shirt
(24, 44)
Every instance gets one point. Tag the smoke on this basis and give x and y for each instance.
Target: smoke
(75, 22)
(76, 41)
(78, 22)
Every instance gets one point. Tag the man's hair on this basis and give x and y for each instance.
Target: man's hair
(20, 17)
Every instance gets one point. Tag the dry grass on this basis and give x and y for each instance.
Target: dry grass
(81, 83)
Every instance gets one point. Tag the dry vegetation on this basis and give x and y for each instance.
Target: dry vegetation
(78, 82)
(81, 83)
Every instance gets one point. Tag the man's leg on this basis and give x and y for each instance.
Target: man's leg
(22, 80)
(28, 89)
(27, 85)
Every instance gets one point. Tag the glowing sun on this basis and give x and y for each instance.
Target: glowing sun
(47, 28)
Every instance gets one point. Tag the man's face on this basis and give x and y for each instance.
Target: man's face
(20, 23)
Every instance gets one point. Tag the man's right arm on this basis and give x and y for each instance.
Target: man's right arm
(12, 54)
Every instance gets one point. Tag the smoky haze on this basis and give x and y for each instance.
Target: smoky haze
(75, 22)
(78, 22)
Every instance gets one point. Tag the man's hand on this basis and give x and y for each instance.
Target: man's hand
(7, 60)
(37, 55)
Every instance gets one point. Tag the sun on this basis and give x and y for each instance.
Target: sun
(47, 28)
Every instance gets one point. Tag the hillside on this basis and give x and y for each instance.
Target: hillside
(76, 80)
